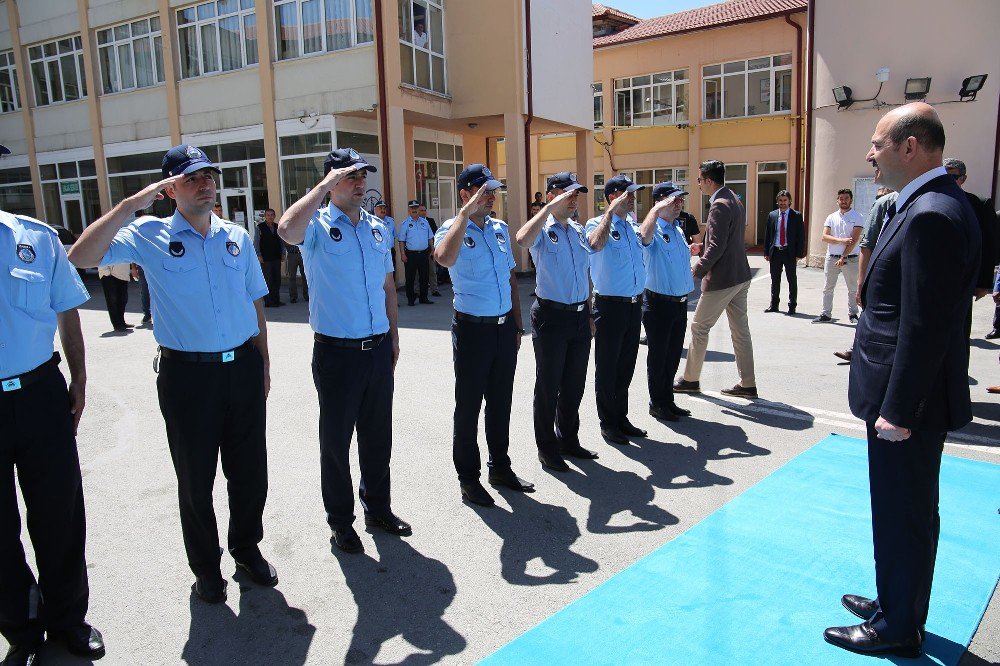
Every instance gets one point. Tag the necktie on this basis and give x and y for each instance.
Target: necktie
(781, 230)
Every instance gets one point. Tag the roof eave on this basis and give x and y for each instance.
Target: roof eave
(727, 24)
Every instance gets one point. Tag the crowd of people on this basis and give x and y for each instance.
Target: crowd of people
(597, 284)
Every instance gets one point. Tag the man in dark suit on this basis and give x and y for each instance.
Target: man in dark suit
(909, 372)
(784, 245)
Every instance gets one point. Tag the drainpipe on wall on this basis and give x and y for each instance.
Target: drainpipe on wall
(807, 172)
(996, 158)
(383, 107)
(798, 111)
(531, 101)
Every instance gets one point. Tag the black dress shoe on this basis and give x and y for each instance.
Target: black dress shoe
(679, 411)
(644, 341)
(663, 414)
(615, 436)
(210, 589)
(510, 480)
(863, 639)
(347, 539)
(741, 391)
(294, 299)
(791, 310)
(993, 335)
(553, 461)
(684, 386)
(426, 301)
(578, 451)
(630, 430)
(863, 607)
(22, 654)
(82, 640)
(474, 492)
(389, 522)
(253, 564)
(772, 308)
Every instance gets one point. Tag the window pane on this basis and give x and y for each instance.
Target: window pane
(125, 66)
(109, 80)
(366, 144)
(35, 52)
(733, 67)
(783, 90)
(49, 48)
(459, 156)
(250, 38)
(713, 99)
(304, 144)
(598, 110)
(154, 24)
(785, 59)
(680, 103)
(299, 175)
(229, 41)
(67, 170)
(206, 10)
(405, 20)
(338, 25)
(759, 89)
(144, 75)
(83, 74)
(104, 36)
(681, 75)
(55, 80)
(209, 49)
(188, 47)
(623, 108)
(122, 32)
(419, 34)
(736, 172)
(47, 171)
(53, 204)
(227, 6)
(663, 105)
(18, 200)
(664, 77)
(365, 24)
(246, 4)
(66, 45)
(711, 70)
(406, 62)
(436, 31)
(759, 63)
(641, 105)
(621, 83)
(425, 149)
(140, 28)
(158, 58)
(437, 73)
(740, 189)
(141, 162)
(87, 168)
(286, 26)
(734, 96)
(185, 16)
(641, 81)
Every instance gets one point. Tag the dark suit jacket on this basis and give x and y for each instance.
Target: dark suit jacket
(910, 364)
(724, 261)
(795, 230)
(987, 218)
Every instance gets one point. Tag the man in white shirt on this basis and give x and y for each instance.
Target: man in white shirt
(841, 233)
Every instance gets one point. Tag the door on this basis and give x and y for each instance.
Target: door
(236, 207)
(447, 202)
(72, 210)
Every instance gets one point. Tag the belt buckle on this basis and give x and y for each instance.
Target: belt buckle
(635, 299)
(12, 384)
(366, 345)
(501, 319)
(683, 299)
(228, 356)
(579, 308)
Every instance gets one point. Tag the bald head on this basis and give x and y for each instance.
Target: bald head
(908, 141)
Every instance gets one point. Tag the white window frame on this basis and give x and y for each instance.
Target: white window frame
(244, 9)
(678, 77)
(300, 28)
(37, 54)
(113, 44)
(431, 54)
(721, 77)
(7, 64)
(598, 88)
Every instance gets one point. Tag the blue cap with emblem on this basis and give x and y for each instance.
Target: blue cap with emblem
(667, 189)
(565, 181)
(413, 203)
(621, 183)
(341, 158)
(475, 176)
(186, 158)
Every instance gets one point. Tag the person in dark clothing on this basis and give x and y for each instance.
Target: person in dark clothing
(270, 250)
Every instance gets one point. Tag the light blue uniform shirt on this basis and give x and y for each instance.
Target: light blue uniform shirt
(562, 262)
(391, 225)
(668, 261)
(345, 268)
(617, 270)
(416, 234)
(36, 282)
(480, 277)
(203, 288)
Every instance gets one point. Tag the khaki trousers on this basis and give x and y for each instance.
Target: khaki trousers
(711, 305)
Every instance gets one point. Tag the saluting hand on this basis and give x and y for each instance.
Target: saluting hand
(619, 203)
(476, 201)
(336, 175)
(145, 197)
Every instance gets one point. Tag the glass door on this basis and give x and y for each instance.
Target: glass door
(72, 212)
(447, 202)
(235, 195)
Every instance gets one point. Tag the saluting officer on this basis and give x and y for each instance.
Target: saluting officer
(485, 333)
(207, 289)
(40, 290)
(619, 277)
(416, 242)
(667, 259)
(353, 313)
(561, 327)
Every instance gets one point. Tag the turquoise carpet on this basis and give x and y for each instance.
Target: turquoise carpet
(757, 581)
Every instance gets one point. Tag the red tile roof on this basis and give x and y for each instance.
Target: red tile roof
(701, 18)
(603, 10)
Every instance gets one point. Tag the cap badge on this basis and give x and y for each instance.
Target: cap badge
(487, 173)
(193, 152)
(25, 253)
(176, 249)
(353, 154)
(470, 241)
(233, 247)
(335, 234)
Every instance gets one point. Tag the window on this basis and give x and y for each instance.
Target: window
(16, 196)
(421, 44)
(650, 177)
(653, 99)
(304, 27)
(131, 55)
(756, 87)
(127, 174)
(736, 180)
(302, 158)
(57, 71)
(598, 105)
(217, 36)
(10, 98)
(435, 166)
(69, 194)
(599, 203)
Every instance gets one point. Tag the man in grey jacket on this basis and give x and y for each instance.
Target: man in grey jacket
(725, 283)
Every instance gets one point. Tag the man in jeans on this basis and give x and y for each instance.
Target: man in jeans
(841, 233)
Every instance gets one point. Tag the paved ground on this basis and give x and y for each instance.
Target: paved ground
(469, 579)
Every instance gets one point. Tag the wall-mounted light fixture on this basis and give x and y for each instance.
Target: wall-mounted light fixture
(917, 88)
(842, 96)
(970, 86)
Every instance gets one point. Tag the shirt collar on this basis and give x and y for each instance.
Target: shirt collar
(7, 219)
(551, 221)
(711, 199)
(917, 183)
(843, 213)
(335, 214)
(178, 223)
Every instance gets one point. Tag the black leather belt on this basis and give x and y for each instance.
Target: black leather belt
(19, 382)
(461, 316)
(619, 299)
(568, 307)
(843, 256)
(208, 357)
(364, 344)
(652, 295)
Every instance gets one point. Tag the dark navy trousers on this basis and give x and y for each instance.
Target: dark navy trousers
(665, 322)
(616, 346)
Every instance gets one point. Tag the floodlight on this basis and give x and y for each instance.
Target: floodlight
(842, 96)
(971, 85)
(917, 88)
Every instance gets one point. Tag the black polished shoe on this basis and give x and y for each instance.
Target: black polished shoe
(791, 310)
(993, 335)
(210, 589)
(684, 386)
(823, 319)
(863, 607)
(679, 411)
(772, 308)
(389, 522)
(253, 564)
(474, 492)
(23, 654)
(738, 391)
(347, 539)
(578, 451)
(82, 640)
(553, 461)
(615, 436)
(630, 430)
(510, 480)
(663, 414)
(863, 639)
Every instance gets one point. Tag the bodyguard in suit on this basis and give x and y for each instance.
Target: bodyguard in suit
(784, 245)
(909, 380)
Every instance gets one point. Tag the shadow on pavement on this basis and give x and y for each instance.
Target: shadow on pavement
(987, 411)
(612, 492)
(764, 412)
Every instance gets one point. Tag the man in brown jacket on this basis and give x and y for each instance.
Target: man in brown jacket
(725, 284)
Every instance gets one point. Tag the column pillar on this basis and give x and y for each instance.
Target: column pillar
(263, 10)
(94, 107)
(27, 104)
(397, 171)
(517, 179)
(585, 172)
(170, 71)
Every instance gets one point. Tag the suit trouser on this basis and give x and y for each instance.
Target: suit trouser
(783, 258)
(485, 357)
(36, 439)
(561, 339)
(616, 346)
(850, 272)
(665, 322)
(294, 268)
(711, 305)
(996, 318)
(116, 297)
(432, 271)
(417, 262)
(355, 388)
(214, 409)
(272, 275)
(903, 477)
